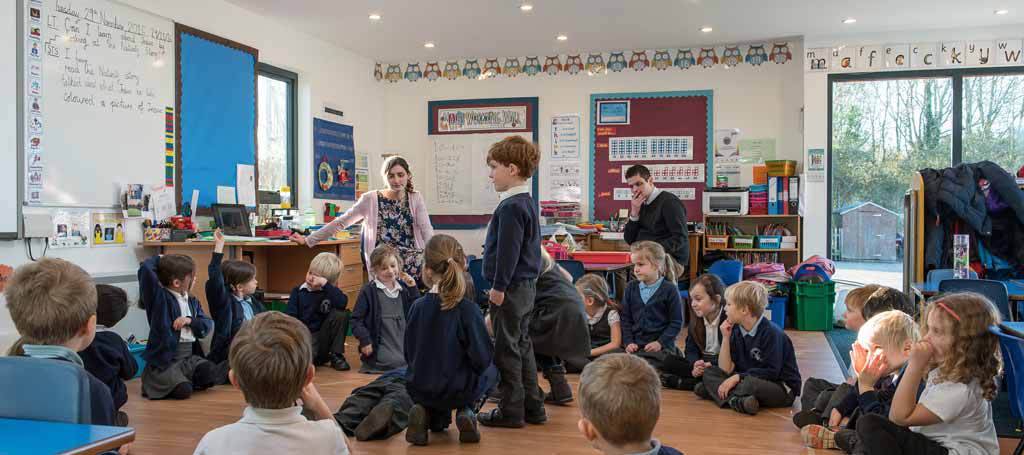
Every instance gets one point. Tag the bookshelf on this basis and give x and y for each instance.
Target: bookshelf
(749, 224)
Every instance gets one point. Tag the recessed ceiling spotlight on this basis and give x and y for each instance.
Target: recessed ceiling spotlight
(526, 7)
(561, 37)
(706, 29)
(849, 20)
(374, 16)
(428, 44)
(1002, 12)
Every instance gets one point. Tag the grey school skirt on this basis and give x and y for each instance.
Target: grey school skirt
(158, 383)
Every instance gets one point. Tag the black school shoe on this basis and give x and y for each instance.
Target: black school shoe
(804, 418)
(846, 440)
(745, 405)
(701, 391)
(416, 433)
(465, 421)
(339, 363)
(671, 381)
(494, 418)
(375, 422)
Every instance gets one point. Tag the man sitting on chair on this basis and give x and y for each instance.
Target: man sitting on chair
(656, 215)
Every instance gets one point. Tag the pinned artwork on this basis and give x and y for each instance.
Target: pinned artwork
(471, 69)
(595, 64)
(432, 72)
(662, 60)
(639, 61)
(780, 53)
(378, 73)
(684, 59)
(1007, 52)
(816, 59)
(412, 72)
(951, 53)
(978, 53)
(394, 73)
(531, 66)
(756, 55)
(897, 56)
(617, 62)
(512, 68)
(5, 274)
(451, 70)
(573, 64)
(870, 57)
(492, 67)
(924, 55)
(708, 57)
(844, 58)
(731, 56)
(552, 65)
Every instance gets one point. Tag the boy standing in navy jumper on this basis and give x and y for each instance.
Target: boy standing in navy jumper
(108, 357)
(512, 264)
(757, 364)
(229, 289)
(320, 305)
(652, 314)
(175, 364)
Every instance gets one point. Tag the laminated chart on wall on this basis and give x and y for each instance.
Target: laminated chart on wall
(563, 181)
(671, 133)
(454, 159)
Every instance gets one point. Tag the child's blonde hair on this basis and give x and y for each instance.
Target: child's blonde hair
(654, 252)
(326, 265)
(891, 330)
(620, 395)
(975, 351)
(270, 357)
(445, 259)
(595, 287)
(856, 297)
(750, 295)
(382, 253)
(50, 302)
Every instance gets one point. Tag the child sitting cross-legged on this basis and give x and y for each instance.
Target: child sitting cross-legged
(652, 314)
(878, 356)
(602, 316)
(108, 358)
(381, 312)
(704, 336)
(320, 305)
(757, 364)
(230, 286)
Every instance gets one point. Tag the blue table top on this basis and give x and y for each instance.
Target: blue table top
(19, 436)
(1014, 287)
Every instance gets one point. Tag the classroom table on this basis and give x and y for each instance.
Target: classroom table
(280, 265)
(18, 436)
(609, 274)
(1015, 288)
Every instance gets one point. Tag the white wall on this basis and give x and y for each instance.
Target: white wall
(816, 113)
(8, 116)
(327, 73)
(763, 102)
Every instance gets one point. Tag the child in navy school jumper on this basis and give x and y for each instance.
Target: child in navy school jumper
(175, 364)
(620, 402)
(652, 314)
(512, 264)
(447, 348)
(108, 357)
(53, 307)
(230, 286)
(757, 364)
(704, 335)
(381, 313)
(320, 305)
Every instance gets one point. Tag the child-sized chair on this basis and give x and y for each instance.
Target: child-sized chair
(730, 271)
(41, 389)
(1013, 360)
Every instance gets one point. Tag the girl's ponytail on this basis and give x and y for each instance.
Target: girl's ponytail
(444, 257)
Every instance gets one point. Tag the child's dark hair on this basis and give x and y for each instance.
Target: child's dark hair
(111, 304)
(237, 273)
(445, 259)
(174, 267)
(885, 299)
(715, 289)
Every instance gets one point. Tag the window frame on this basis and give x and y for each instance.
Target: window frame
(956, 76)
(292, 79)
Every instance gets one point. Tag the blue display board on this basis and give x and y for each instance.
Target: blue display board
(334, 161)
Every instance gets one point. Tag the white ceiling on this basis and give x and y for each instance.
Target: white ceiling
(479, 28)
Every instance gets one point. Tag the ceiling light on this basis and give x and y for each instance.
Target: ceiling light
(374, 17)
(428, 44)
(562, 37)
(1002, 12)
(526, 7)
(706, 29)
(849, 20)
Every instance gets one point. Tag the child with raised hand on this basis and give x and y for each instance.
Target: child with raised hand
(879, 353)
(322, 307)
(704, 335)
(652, 313)
(447, 349)
(602, 317)
(381, 312)
(960, 361)
(230, 286)
(175, 363)
(757, 364)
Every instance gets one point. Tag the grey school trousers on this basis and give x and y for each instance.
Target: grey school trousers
(769, 394)
(513, 352)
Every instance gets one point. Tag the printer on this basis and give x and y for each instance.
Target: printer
(726, 200)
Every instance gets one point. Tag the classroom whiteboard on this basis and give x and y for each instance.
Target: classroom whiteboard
(9, 119)
(458, 182)
(99, 81)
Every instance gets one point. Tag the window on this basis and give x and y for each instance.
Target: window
(275, 131)
(886, 126)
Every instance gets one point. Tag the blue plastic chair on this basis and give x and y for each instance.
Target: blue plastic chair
(574, 267)
(41, 389)
(995, 291)
(1013, 360)
(476, 270)
(937, 275)
(729, 270)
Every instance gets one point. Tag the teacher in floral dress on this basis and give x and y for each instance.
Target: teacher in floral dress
(395, 216)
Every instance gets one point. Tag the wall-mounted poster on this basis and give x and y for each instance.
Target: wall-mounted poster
(107, 229)
(613, 112)
(70, 229)
(334, 161)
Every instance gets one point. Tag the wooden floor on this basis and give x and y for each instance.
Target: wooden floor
(691, 425)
